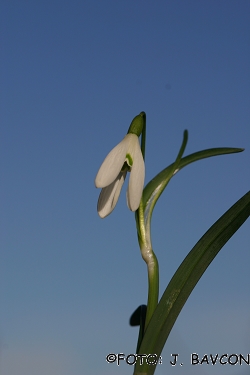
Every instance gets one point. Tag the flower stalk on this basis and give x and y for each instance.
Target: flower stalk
(147, 252)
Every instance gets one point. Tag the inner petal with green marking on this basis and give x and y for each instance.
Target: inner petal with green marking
(129, 160)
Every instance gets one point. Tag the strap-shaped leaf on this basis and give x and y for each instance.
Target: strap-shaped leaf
(158, 186)
(153, 187)
(185, 279)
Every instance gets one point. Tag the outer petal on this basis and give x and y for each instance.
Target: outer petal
(112, 164)
(136, 180)
(109, 196)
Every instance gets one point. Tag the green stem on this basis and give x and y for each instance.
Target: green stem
(146, 249)
(153, 285)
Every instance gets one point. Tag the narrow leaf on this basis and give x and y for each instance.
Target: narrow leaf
(185, 279)
(151, 189)
(161, 184)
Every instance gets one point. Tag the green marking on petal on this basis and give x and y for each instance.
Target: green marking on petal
(127, 164)
(129, 160)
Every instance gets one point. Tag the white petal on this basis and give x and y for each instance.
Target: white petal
(109, 196)
(112, 164)
(136, 180)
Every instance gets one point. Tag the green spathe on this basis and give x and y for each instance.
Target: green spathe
(137, 124)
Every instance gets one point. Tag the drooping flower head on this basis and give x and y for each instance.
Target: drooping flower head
(125, 157)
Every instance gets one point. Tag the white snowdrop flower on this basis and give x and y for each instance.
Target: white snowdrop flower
(125, 157)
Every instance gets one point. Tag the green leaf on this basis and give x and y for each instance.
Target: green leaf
(159, 182)
(156, 188)
(185, 279)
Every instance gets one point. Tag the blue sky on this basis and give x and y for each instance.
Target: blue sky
(73, 76)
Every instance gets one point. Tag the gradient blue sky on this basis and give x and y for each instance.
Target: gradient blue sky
(73, 76)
